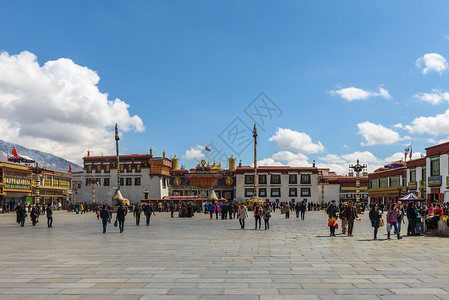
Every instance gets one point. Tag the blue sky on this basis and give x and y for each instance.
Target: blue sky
(352, 78)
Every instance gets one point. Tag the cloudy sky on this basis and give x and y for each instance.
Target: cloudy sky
(330, 81)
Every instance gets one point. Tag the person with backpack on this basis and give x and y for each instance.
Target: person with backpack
(258, 213)
(375, 216)
(302, 208)
(392, 218)
(287, 210)
(148, 212)
(104, 216)
(121, 213)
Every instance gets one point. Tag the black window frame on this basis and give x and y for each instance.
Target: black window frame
(129, 180)
(264, 181)
(107, 168)
(303, 181)
(106, 181)
(293, 192)
(306, 189)
(137, 181)
(273, 194)
(262, 192)
(295, 176)
(247, 181)
(249, 192)
(275, 176)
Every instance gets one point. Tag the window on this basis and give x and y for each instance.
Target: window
(262, 192)
(305, 179)
(383, 182)
(89, 169)
(374, 183)
(164, 182)
(107, 168)
(129, 168)
(88, 181)
(106, 181)
(292, 192)
(305, 192)
(129, 181)
(435, 166)
(248, 192)
(122, 168)
(275, 179)
(137, 181)
(413, 175)
(263, 179)
(292, 179)
(275, 192)
(122, 181)
(424, 178)
(249, 179)
(138, 168)
(395, 181)
(98, 169)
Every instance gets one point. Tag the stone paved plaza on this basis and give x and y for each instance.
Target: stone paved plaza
(200, 258)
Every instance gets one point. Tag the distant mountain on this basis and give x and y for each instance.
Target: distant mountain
(45, 160)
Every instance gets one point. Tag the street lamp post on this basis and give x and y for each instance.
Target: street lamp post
(357, 168)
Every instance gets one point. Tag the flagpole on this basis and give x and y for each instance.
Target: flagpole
(117, 138)
(255, 160)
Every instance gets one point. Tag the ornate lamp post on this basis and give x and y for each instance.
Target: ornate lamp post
(322, 181)
(93, 184)
(357, 168)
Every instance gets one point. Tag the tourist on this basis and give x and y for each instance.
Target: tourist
(21, 214)
(412, 217)
(210, 208)
(34, 215)
(49, 216)
(242, 215)
(172, 209)
(302, 208)
(266, 215)
(121, 213)
(375, 216)
(331, 211)
(104, 216)
(216, 210)
(136, 213)
(401, 215)
(351, 215)
(230, 210)
(148, 212)
(344, 221)
(287, 210)
(392, 218)
(258, 213)
(297, 210)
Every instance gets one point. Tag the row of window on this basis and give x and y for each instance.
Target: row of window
(107, 168)
(276, 179)
(276, 192)
(107, 182)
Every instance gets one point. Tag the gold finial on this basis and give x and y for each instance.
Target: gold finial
(163, 154)
(151, 151)
(232, 163)
(88, 153)
(175, 163)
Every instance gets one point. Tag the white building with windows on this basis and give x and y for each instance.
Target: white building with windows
(278, 183)
(142, 176)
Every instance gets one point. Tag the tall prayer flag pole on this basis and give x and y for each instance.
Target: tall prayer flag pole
(255, 160)
(117, 138)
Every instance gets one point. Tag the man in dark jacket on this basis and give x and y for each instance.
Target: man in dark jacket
(49, 216)
(412, 216)
(302, 208)
(121, 213)
(148, 212)
(351, 215)
(104, 216)
(172, 209)
(136, 213)
(297, 209)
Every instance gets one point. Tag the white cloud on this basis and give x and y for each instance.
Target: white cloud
(376, 134)
(297, 141)
(289, 156)
(432, 62)
(353, 93)
(58, 107)
(269, 162)
(435, 97)
(437, 125)
(194, 153)
(333, 158)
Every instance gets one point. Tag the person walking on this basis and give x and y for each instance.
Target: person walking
(375, 215)
(351, 215)
(210, 208)
(104, 216)
(34, 215)
(258, 213)
(401, 215)
(392, 218)
(172, 209)
(21, 215)
(121, 213)
(266, 215)
(242, 215)
(344, 221)
(216, 210)
(287, 210)
(49, 216)
(297, 209)
(148, 212)
(137, 211)
(331, 211)
(303, 208)
(412, 217)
